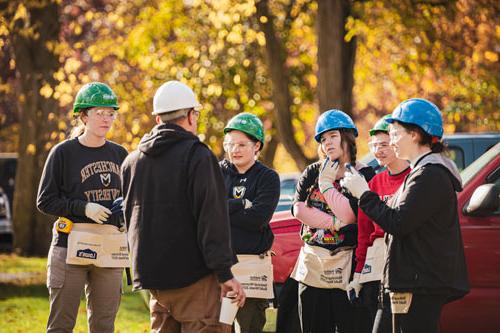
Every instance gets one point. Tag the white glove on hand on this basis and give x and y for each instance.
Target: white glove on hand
(354, 183)
(96, 212)
(337, 223)
(247, 204)
(354, 285)
(327, 175)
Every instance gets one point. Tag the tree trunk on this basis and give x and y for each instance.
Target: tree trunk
(269, 151)
(34, 37)
(275, 57)
(335, 56)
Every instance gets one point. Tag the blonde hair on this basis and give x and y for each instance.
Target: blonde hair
(79, 128)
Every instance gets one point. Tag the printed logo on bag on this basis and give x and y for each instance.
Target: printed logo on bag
(332, 276)
(239, 192)
(105, 179)
(366, 269)
(262, 278)
(87, 254)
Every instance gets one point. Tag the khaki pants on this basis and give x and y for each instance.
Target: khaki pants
(66, 283)
(193, 309)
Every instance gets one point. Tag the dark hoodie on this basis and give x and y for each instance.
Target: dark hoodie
(175, 210)
(425, 247)
(250, 230)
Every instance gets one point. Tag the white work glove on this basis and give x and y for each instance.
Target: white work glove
(247, 204)
(337, 223)
(327, 175)
(355, 286)
(96, 212)
(354, 182)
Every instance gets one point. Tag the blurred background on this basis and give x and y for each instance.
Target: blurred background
(284, 60)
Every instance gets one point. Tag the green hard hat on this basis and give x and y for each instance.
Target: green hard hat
(95, 94)
(381, 125)
(247, 123)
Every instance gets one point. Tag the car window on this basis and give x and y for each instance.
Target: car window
(497, 184)
(457, 155)
(288, 187)
(468, 173)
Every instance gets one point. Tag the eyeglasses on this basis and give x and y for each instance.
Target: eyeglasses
(378, 146)
(396, 134)
(196, 113)
(229, 146)
(103, 113)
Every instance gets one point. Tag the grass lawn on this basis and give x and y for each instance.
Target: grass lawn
(24, 305)
(24, 301)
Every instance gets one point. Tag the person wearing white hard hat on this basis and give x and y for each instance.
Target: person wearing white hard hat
(176, 213)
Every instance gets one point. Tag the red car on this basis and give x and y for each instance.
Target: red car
(479, 205)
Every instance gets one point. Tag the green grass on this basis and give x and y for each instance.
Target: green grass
(24, 305)
(24, 301)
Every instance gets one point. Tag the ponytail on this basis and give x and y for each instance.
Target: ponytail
(78, 130)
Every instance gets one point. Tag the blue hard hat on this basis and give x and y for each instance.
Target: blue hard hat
(333, 120)
(420, 112)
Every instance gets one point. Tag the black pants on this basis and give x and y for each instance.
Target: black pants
(324, 310)
(423, 315)
(287, 320)
(379, 307)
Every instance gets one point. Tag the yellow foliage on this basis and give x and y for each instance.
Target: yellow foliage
(491, 56)
(30, 149)
(46, 91)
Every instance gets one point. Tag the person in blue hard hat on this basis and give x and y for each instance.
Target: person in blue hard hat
(425, 258)
(328, 216)
(370, 251)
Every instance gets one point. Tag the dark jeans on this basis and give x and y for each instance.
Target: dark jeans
(287, 320)
(324, 310)
(423, 315)
(379, 307)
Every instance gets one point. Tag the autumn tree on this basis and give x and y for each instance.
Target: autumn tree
(33, 35)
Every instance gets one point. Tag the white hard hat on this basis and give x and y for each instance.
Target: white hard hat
(173, 96)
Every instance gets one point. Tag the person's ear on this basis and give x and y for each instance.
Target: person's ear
(415, 136)
(191, 117)
(84, 117)
(158, 119)
(257, 147)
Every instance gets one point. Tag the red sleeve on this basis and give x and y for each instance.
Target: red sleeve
(365, 228)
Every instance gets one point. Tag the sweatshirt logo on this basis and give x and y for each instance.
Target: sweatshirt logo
(239, 192)
(105, 179)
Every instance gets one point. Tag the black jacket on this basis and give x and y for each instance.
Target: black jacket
(425, 248)
(175, 210)
(250, 230)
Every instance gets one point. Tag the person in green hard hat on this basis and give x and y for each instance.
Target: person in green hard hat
(80, 182)
(370, 251)
(252, 192)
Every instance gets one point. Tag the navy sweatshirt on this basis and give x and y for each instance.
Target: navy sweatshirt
(250, 230)
(75, 174)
